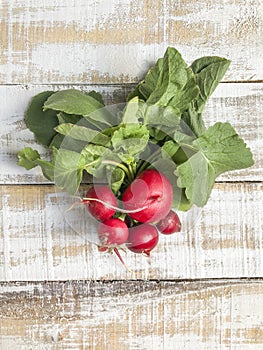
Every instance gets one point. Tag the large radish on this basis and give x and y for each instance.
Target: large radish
(151, 191)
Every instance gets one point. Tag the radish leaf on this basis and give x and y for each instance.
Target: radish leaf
(40, 122)
(218, 150)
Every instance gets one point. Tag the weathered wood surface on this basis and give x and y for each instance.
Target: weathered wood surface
(240, 104)
(39, 244)
(132, 315)
(107, 45)
(106, 41)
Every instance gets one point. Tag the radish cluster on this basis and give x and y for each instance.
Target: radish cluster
(146, 211)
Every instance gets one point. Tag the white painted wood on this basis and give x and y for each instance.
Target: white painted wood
(103, 41)
(240, 104)
(131, 316)
(45, 45)
(37, 243)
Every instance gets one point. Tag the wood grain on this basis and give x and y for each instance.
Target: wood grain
(38, 241)
(56, 290)
(112, 41)
(132, 315)
(240, 104)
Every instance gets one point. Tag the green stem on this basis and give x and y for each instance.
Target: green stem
(121, 166)
(148, 161)
(110, 130)
(89, 164)
(131, 171)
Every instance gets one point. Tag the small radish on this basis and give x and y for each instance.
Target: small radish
(100, 210)
(152, 191)
(142, 238)
(113, 232)
(170, 224)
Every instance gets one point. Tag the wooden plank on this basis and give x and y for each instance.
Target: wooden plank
(239, 104)
(132, 315)
(112, 41)
(38, 241)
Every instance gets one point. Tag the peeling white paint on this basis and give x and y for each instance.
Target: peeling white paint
(38, 244)
(226, 29)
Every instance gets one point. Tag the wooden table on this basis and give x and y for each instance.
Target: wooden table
(199, 290)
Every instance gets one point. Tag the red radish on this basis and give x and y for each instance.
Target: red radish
(102, 249)
(100, 210)
(170, 224)
(142, 238)
(113, 232)
(151, 189)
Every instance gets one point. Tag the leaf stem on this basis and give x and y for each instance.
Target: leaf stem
(131, 171)
(121, 166)
(148, 161)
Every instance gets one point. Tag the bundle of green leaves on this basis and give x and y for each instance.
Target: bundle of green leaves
(160, 126)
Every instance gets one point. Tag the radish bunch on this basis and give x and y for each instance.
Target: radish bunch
(160, 126)
(146, 211)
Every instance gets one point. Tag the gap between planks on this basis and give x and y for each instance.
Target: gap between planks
(132, 315)
(96, 34)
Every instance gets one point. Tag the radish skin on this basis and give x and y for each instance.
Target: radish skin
(150, 190)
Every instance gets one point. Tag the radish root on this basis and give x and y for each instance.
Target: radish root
(121, 210)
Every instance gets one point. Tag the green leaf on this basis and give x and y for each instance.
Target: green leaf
(72, 102)
(197, 176)
(82, 133)
(219, 149)
(40, 122)
(29, 159)
(129, 140)
(134, 111)
(103, 118)
(186, 149)
(57, 141)
(165, 119)
(68, 170)
(176, 83)
(147, 86)
(115, 178)
(224, 148)
(192, 122)
(78, 103)
(60, 141)
(156, 134)
(92, 155)
(169, 149)
(150, 81)
(183, 139)
(135, 93)
(208, 71)
(97, 96)
(69, 118)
